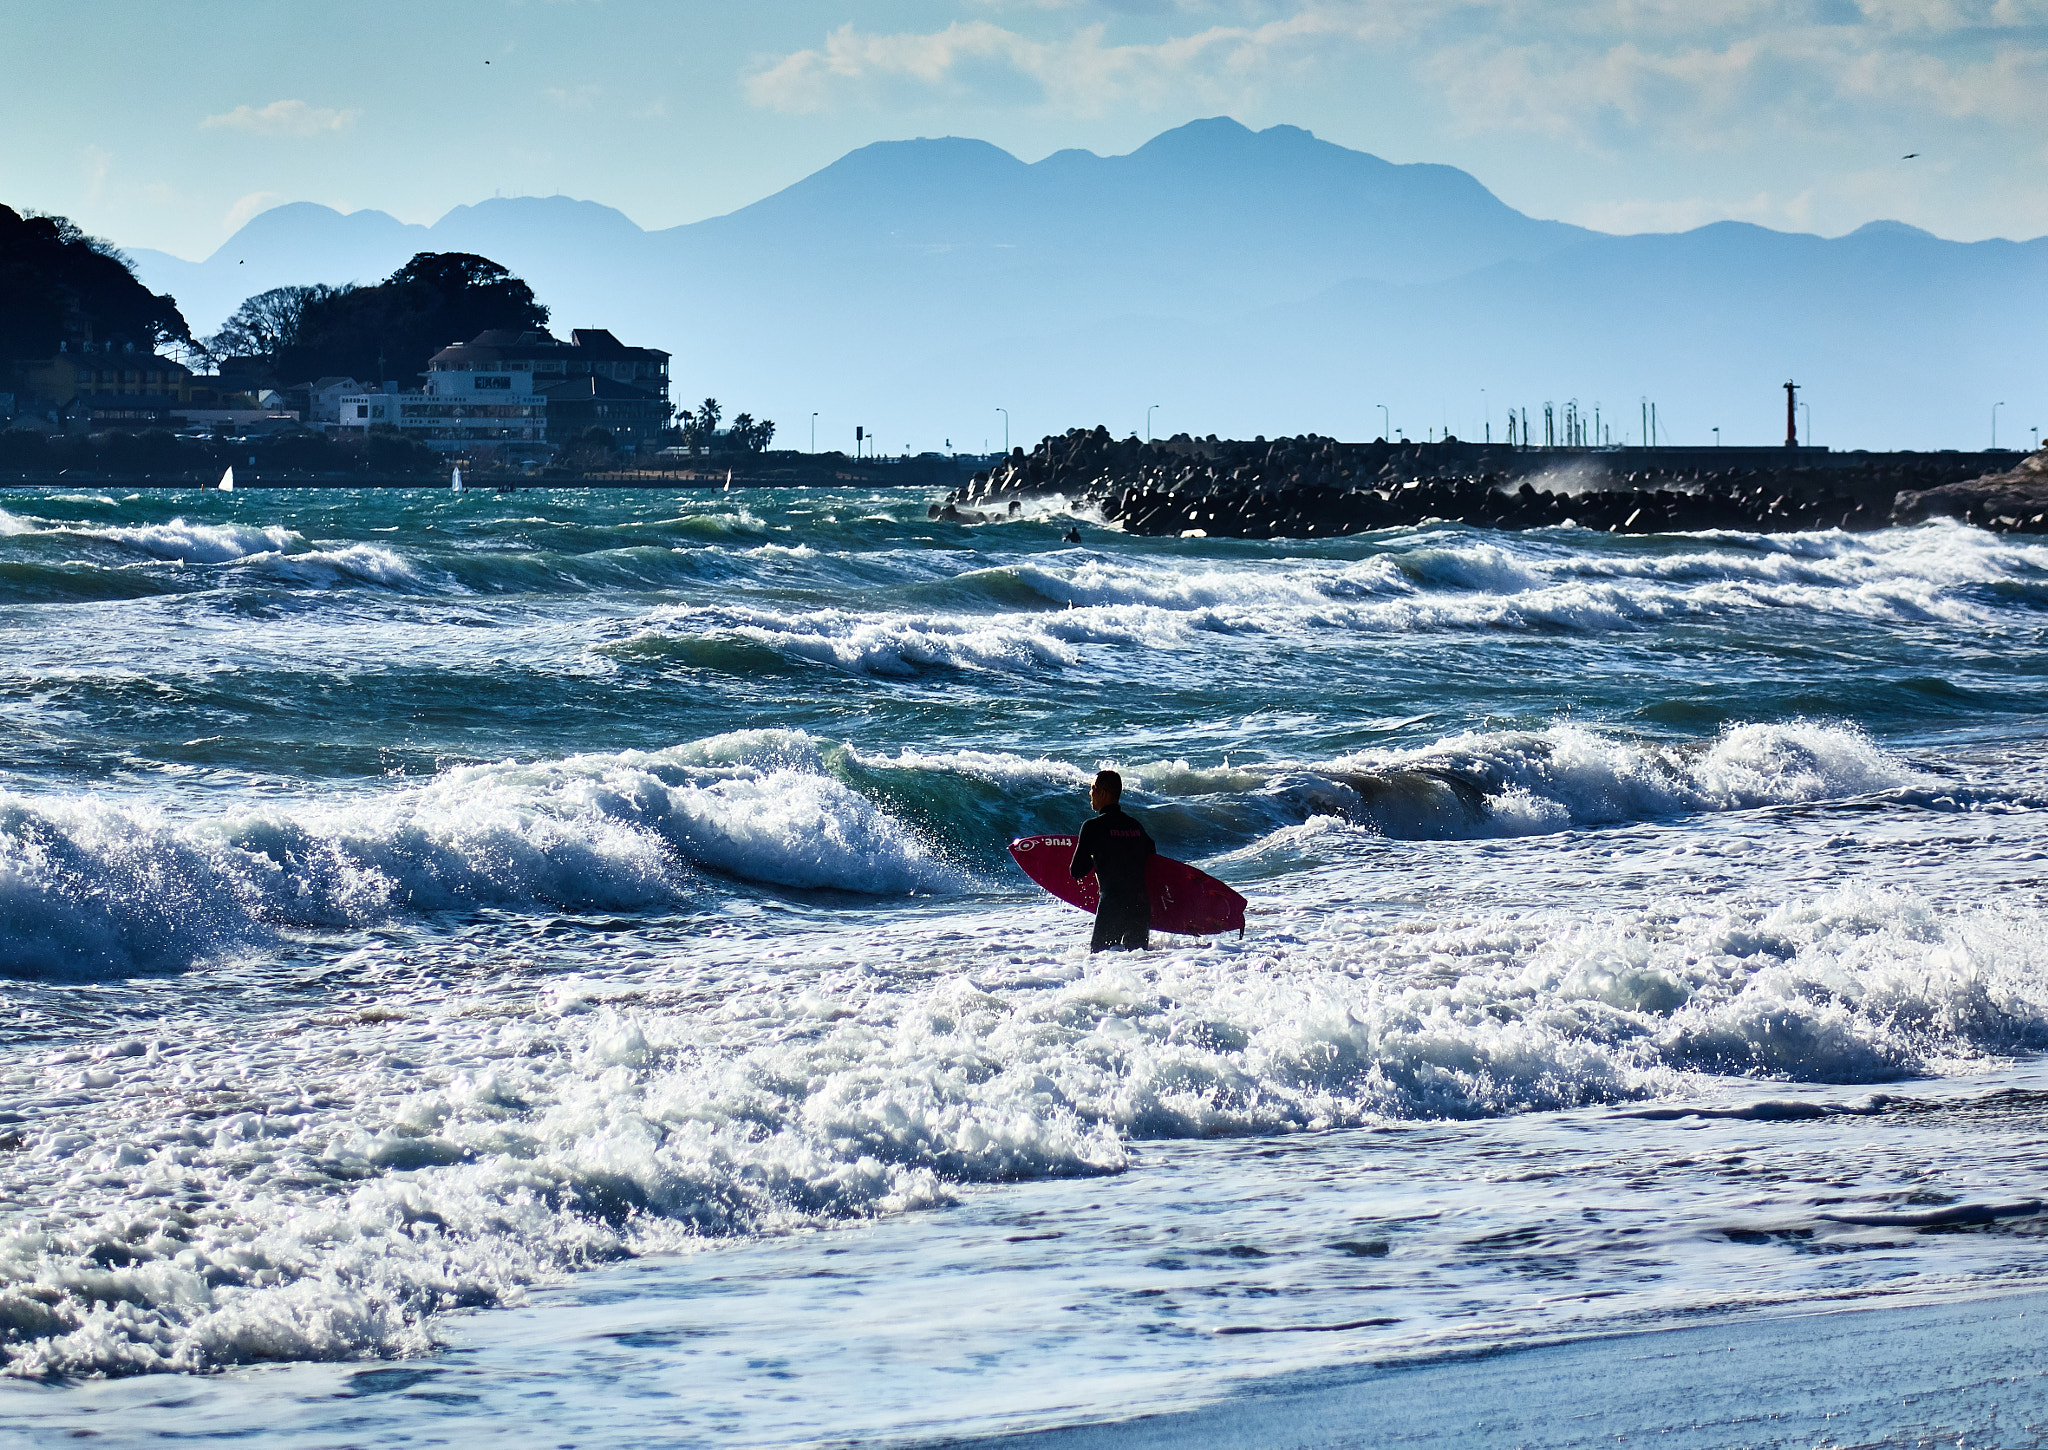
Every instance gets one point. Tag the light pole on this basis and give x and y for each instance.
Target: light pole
(1148, 421)
(814, 432)
(1717, 437)
(1386, 424)
(1006, 430)
(1994, 425)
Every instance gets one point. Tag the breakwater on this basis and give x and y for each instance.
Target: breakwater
(1308, 487)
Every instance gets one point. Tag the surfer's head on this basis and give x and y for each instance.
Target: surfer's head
(1107, 790)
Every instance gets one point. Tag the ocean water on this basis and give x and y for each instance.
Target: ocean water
(546, 963)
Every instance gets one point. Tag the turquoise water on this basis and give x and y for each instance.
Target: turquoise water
(414, 905)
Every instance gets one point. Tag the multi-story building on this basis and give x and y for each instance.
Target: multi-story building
(525, 388)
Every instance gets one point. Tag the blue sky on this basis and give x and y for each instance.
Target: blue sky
(166, 126)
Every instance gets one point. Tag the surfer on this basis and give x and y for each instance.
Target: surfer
(1114, 849)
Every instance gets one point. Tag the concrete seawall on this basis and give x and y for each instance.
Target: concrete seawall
(1310, 487)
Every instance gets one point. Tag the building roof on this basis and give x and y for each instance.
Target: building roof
(586, 344)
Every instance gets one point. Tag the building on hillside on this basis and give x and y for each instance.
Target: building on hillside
(525, 389)
(81, 378)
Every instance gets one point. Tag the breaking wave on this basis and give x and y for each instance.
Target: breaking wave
(92, 886)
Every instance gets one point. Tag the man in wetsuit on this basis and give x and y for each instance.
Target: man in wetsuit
(1114, 849)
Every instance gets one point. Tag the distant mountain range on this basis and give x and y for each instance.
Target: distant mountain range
(1246, 282)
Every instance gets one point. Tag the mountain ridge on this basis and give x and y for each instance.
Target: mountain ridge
(928, 280)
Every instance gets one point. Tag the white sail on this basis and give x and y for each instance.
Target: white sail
(227, 480)
(728, 478)
(455, 483)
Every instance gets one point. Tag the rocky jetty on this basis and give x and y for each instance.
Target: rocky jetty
(2012, 502)
(1313, 487)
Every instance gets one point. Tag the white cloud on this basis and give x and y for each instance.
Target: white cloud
(1599, 73)
(1077, 73)
(282, 118)
(1816, 82)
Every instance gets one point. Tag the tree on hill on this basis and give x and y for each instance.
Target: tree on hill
(387, 331)
(266, 324)
(58, 285)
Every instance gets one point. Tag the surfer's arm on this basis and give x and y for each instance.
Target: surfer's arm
(1083, 864)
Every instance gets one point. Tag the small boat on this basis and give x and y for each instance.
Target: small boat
(227, 480)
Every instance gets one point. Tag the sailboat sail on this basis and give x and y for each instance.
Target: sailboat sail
(227, 480)
(455, 483)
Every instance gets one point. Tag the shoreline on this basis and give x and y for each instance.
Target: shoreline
(1968, 1372)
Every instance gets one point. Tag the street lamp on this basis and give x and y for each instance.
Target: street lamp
(1994, 425)
(814, 432)
(1148, 421)
(1006, 429)
(1386, 426)
(1717, 437)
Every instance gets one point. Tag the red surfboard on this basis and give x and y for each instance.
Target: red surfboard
(1184, 900)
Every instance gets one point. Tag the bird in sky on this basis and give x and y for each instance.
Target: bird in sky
(1909, 156)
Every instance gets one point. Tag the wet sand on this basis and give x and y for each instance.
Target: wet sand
(1965, 1374)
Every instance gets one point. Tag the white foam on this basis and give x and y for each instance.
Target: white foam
(327, 568)
(1568, 775)
(91, 887)
(358, 1176)
(194, 543)
(1431, 583)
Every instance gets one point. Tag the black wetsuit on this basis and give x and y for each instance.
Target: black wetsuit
(1115, 848)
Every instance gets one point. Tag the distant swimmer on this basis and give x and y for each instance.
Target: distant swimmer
(1072, 536)
(1114, 849)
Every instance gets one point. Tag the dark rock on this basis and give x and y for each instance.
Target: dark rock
(2012, 502)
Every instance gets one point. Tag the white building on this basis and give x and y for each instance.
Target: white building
(507, 387)
(323, 399)
(456, 411)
